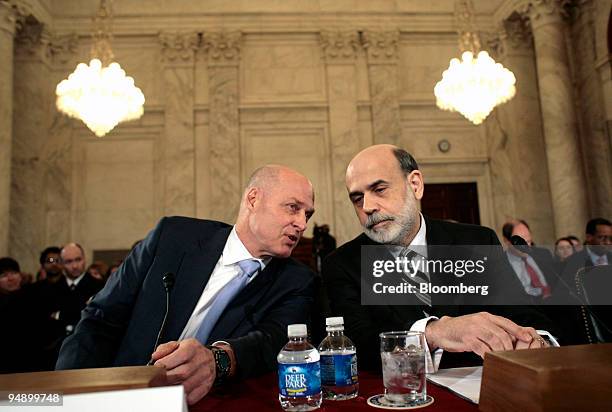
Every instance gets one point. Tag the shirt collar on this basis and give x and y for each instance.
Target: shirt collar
(419, 241)
(595, 257)
(74, 282)
(421, 237)
(235, 251)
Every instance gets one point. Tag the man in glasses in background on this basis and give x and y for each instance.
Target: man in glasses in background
(50, 265)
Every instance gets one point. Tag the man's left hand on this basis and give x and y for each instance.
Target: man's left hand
(189, 363)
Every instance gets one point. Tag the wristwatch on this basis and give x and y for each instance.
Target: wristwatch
(222, 363)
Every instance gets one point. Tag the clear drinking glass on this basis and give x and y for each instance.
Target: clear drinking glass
(403, 365)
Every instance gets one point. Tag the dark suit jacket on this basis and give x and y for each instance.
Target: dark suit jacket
(577, 326)
(119, 327)
(69, 302)
(341, 274)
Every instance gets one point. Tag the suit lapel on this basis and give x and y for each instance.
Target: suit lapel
(192, 276)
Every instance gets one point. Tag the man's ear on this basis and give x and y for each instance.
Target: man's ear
(252, 197)
(416, 184)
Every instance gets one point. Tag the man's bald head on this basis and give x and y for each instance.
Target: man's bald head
(385, 153)
(73, 259)
(275, 207)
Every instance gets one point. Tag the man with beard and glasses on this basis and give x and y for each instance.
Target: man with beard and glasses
(235, 292)
(385, 185)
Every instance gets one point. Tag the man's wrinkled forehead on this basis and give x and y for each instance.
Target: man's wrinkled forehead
(362, 174)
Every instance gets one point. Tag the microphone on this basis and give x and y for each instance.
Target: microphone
(168, 280)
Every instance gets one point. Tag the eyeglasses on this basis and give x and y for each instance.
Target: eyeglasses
(52, 260)
(5, 274)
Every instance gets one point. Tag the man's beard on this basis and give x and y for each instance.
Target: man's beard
(399, 226)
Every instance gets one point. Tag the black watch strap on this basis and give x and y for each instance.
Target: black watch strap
(222, 363)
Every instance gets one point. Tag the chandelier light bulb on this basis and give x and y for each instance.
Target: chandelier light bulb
(474, 86)
(101, 97)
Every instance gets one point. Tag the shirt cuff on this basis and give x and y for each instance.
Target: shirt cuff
(431, 362)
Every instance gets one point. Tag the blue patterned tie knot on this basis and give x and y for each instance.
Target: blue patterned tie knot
(249, 266)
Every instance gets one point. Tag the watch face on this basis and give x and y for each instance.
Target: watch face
(222, 362)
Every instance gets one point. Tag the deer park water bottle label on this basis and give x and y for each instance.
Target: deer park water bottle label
(339, 370)
(299, 379)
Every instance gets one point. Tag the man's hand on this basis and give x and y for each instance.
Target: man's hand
(479, 332)
(187, 362)
(537, 342)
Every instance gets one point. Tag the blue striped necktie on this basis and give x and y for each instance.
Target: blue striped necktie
(248, 268)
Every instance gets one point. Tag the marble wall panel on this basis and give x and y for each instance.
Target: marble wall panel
(422, 63)
(263, 144)
(281, 70)
(114, 191)
(422, 142)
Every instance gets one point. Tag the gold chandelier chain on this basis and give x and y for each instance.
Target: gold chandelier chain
(102, 33)
(469, 40)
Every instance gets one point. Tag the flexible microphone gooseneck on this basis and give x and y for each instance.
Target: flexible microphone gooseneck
(168, 280)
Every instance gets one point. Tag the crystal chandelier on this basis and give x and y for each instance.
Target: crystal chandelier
(473, 86)
(100, 94)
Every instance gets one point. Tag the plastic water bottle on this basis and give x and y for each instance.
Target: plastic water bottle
(299, 372)
(338, 363)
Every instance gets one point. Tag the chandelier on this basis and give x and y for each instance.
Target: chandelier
(473, 86)
(100, 94)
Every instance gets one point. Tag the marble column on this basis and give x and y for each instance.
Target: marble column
(591, 109)
(56, 152)
(382, 56)
(178, 158)
(30, 128)
(566, 173)
(340, 52)
(521, 121)
(8, 18)
(223, 56)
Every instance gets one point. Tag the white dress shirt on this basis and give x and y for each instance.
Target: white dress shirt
(225, 270)
(597, 259)
(74, 282)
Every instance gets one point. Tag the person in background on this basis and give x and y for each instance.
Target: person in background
(578, 246)
(20, 346)
(533, 266)
(563, 249)
(51, 267)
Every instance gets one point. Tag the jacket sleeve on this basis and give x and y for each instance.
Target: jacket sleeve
(97, 336)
